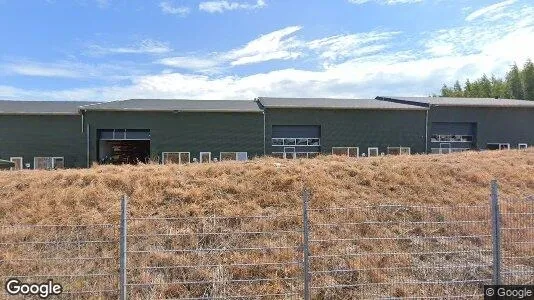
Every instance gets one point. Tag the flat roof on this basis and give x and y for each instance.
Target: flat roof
(163, 105)
(331, 103)
(448, 101)
(14, 107)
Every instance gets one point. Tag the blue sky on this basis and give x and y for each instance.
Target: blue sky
(240, 49)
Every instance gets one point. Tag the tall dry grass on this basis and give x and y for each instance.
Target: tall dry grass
(266, 186)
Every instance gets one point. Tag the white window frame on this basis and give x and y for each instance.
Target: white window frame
(12, 159)
(372, 149)
(163, 161)
(209, 159)
(522, 146)
(236, 155)
(35, 162)
(400, 150)
(54, 161)
(348, 151)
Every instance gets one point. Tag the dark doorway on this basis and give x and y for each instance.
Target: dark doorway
(123, 146)
(124, 152)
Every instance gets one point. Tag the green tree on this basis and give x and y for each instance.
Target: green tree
(485, 87)
(514, 82)
(468, 91)
(499, 88)
(446, 91)
(457, 89)
(528, 80)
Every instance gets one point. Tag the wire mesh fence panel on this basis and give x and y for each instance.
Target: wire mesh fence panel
(517, 240)
(83, 259)
(215, 257)
(376, 251)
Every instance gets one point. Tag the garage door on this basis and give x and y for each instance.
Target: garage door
(296, 140)
(446, 137)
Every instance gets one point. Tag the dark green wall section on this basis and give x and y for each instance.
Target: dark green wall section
(30, 136)
(193, 132)
(494, 124)
(357, 128)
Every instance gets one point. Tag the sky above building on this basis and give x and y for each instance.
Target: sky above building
(104, 50)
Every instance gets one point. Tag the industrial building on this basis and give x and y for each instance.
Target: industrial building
(70, 134)
(460, 124)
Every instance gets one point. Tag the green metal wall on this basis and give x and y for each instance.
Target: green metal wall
(494, 124)
(31, 136)
(357, 128)
(193, 132)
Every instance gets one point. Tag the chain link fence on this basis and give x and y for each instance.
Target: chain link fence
(365, 251)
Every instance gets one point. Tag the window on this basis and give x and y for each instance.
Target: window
(205, 157)
(399, 150)
(175, 158)
(498, 146)
(296, 141)
(372, 151)
(278, 142)
(346, 151)
(18, 163)
(238, 156)
(522, 146)
(48, 163)
(58, 163)
(457, 138)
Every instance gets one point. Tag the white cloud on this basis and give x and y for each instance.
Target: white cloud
(39, 70)
(335, 48)
(277, 45)
(219, 6)
(144, 47)
(386, 2)
(168, 7)
(489, 10)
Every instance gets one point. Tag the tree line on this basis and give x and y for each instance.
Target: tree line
(517, 84)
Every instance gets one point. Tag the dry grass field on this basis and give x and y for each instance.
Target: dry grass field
(264, 187)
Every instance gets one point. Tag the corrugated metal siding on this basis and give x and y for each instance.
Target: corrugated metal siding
(359, 128)
(30, 136)
(494, 125)
(193, 132)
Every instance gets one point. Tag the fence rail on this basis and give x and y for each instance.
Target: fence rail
(322, 252)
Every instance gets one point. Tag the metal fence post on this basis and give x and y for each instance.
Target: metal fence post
(305, 247)
(496, 233)
(123, 247)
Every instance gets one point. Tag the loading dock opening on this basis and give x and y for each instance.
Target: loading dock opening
(123, 146)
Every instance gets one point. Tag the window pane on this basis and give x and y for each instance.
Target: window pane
(353, 152)
(242, 156)
(302, 142)
(205, 157)
(313, 154)
(394, 151)
(290, 142)
(278, 142)
(405, 150)
(278, 155)
(434, 138)
(313, 142)
(184, 158)
(340, 151)
(171, 158)
(373, 152)
(119, 134)
(106, 134)
(43, 163)
(59, 163)
(228, 156)
(302, 155)
(138, 134)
